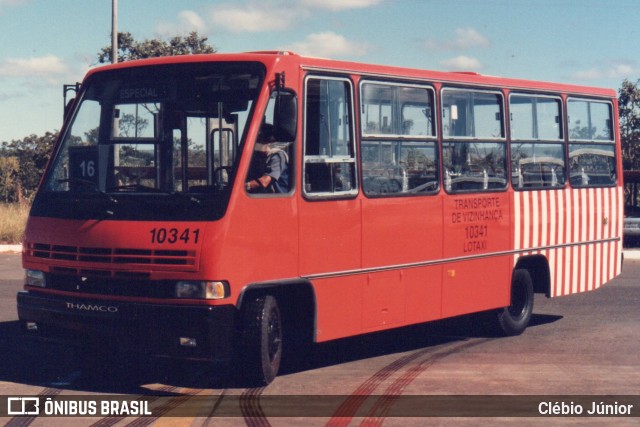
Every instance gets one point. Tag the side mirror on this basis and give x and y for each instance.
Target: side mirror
(67, 108)
(285, 119)
(67, 105)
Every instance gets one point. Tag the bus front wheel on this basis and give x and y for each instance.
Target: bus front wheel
(513, 320)
(261, 340)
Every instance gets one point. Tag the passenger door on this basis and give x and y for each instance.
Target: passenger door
(330, 223)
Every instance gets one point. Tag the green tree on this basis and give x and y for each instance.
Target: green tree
(22, 164)
(130, 49)
(629, 110)
(9, 167)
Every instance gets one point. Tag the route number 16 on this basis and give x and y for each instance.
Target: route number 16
(87, 168)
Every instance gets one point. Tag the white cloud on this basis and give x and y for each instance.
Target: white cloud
(5, 96)
(462, 63)
(465, 38)
(49, 67)
(329, 45)
(188, 21)
(610, 70)
(336, 5)
(4, 4)
(12, 2)
(253, 17)
(270, 15)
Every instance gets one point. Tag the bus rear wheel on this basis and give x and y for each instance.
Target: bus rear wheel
(513, 320)
(261, 340)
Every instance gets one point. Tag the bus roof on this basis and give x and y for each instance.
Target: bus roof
(270, 58)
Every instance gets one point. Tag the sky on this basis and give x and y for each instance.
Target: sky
(47, 43)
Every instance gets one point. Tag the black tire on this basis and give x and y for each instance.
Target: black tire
(261, 340)
(513, 320)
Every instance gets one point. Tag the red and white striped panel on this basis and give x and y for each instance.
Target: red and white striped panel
(579, 231)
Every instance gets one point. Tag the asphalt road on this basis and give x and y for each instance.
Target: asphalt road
(577, 346)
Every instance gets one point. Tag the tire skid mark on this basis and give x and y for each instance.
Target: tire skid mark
(208, 420)
(182, 396)
(380, 410)
(345, 412)
(173, 403)
(113, 420)
(251, 409)
(342, 416)
(25, 421)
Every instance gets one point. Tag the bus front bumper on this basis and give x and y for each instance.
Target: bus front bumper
(183, 331)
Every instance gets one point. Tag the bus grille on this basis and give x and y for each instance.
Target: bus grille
(156, 259)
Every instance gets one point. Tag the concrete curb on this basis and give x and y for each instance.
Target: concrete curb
(632, 254)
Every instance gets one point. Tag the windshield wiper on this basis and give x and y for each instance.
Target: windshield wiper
(144, 188)
(137, 187)
(94, 186)
(90, 184)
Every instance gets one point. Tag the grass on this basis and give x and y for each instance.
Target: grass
(13, 218)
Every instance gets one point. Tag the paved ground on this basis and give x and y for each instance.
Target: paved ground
(577, 345)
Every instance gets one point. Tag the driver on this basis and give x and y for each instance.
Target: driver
(271, 173)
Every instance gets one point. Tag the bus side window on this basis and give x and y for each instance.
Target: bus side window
(399, 153)
(537, 142)
(474, 166)
(592, 154)
(537, 165)
(474, 151)
(329, 150)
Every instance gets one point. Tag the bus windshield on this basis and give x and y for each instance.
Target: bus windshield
(167, 134)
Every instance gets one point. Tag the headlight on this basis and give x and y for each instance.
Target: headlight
(202, 290)
(35, 278)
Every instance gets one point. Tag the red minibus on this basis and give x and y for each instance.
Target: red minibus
(235, 206)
